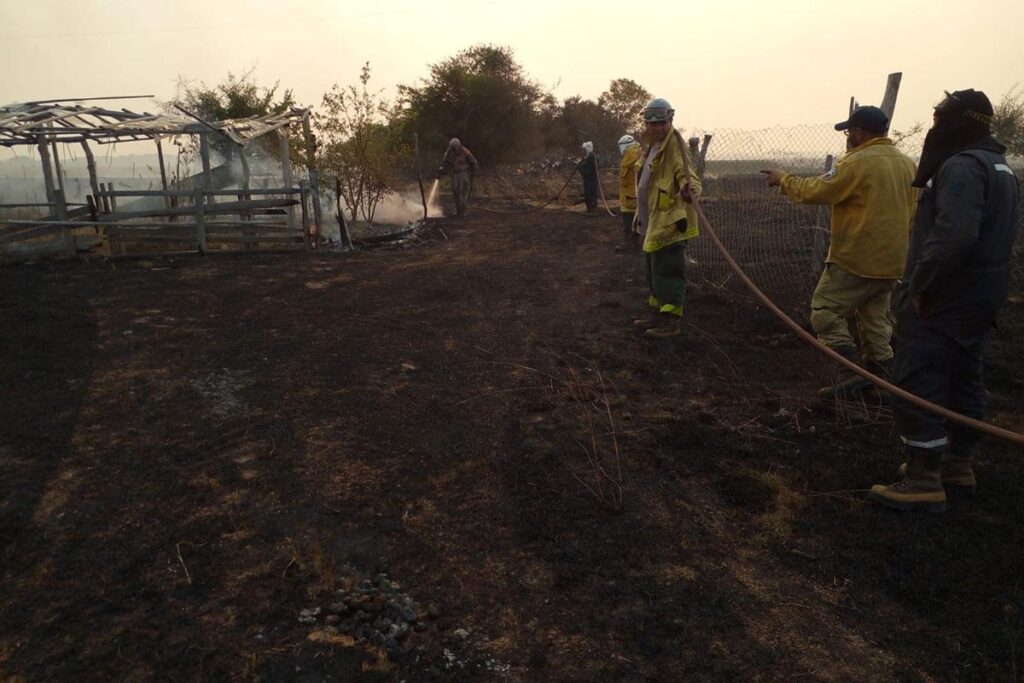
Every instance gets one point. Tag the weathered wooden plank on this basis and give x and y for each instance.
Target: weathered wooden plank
(30, 233)
(213, 209)
(204, 155)
(44, 158)
(199, 209)
(286, 169)
(58, 173)
(305, 212)
(188, 230)
(68, 237)
(146, 237)
(314, 177)
(892, 89)
(163, 172)
(90, 164)
(254, 239)
(188, 193)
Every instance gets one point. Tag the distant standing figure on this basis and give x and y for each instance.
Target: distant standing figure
(588, 169)
(666, 217)
(463, 166)
(629, 169)
(956, 280)
(872, 208)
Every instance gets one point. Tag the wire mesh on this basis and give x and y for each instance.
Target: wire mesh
(781, 245)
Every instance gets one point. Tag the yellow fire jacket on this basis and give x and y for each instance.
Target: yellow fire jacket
(629, 169)
(671, 169)
(872, 207)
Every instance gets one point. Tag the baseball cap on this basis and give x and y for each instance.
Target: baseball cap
(868, 118)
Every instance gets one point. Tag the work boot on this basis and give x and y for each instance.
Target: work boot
(647, 323)
(957, 475)
(920, 487)
(668, 326)
(852, 383)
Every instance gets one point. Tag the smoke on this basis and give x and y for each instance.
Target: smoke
(397, 209)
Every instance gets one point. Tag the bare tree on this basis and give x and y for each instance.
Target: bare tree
(357, 145)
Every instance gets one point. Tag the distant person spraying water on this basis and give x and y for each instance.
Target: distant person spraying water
(463, 166)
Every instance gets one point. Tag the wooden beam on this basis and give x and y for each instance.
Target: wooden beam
(821, 237)
(286, 170)
(57, 170)
(204, 155)
(892, 89)
(44, 158)
(199, 207)
(211, 209)
(90, 165)
(163, 171)
(67, 237)
(314, 176)
(304, 188)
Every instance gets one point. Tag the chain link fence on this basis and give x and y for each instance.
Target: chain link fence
(782, 245)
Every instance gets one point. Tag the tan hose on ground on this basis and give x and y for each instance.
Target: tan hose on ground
(600, 188)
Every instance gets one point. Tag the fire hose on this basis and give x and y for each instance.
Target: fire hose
(600, 188)
(984, 427)
(534, 208)
(559, 194)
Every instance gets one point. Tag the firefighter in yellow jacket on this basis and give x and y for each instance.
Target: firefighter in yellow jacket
(872, 209)
(629, 168)
(666, 217)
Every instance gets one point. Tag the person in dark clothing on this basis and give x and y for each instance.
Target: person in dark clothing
(463, 166)
(588, 169)
(956, 280)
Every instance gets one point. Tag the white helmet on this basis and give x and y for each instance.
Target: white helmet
(588, 146)
(625, 142)
(657, 110)
(454, 143)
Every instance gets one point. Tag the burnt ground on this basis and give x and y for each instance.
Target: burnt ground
(195, 450)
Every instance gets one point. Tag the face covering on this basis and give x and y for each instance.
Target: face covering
(961, 120)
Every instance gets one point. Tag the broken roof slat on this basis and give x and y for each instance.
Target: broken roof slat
(26, 123)
(52, 119)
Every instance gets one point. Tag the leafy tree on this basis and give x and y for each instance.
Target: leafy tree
(480, 95)
(1008, 122)
(581, 120)
(357, 146)
(236, 98)
(624, 100)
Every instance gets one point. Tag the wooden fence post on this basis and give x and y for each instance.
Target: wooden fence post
(303, 197)
(44, 158)
(892, 89)
(821, 234)
(67, 236)
(163, 171)
(200, 209)
(314, 177)
(286, 171)
(90, 165)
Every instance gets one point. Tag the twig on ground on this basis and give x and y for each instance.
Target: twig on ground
(177, 548)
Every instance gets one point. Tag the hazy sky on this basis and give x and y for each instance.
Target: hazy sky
(722, 63)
